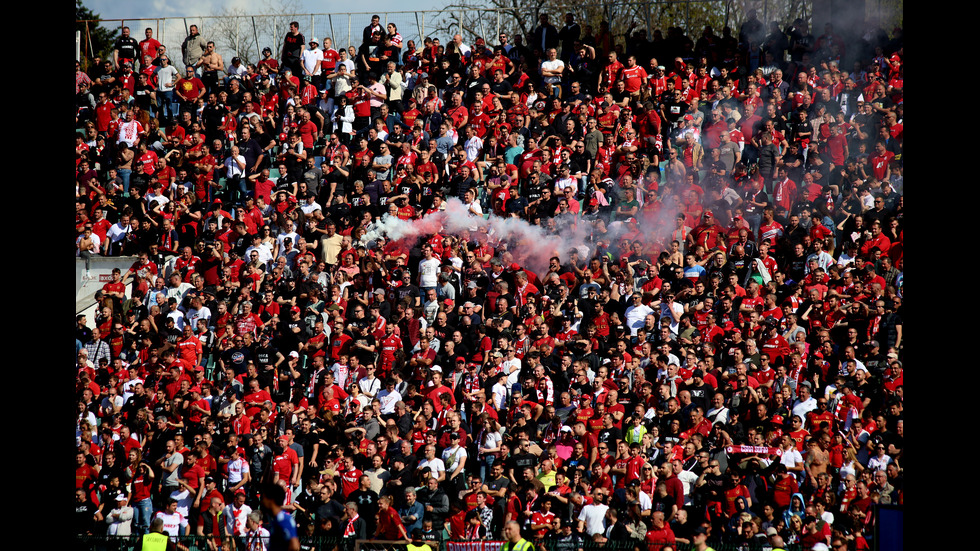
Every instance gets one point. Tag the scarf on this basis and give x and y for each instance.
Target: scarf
(349, 531)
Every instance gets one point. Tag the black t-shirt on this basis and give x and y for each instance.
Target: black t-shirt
(264, 140)
(265, 356)
(794, 173)
(674, 110)
(579, 162)
(410, 189)
(237, 358)
(520, 461)
(501, 88)
(251, 151)
(291, 47)
(142, 93)
(128, 48)
(474, 85)
(367, 504)
(610, 436)
(331, 509)
(85, 517)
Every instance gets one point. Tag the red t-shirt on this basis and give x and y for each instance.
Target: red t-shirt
(633, 77)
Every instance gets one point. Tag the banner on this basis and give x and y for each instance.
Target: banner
(485, 545)
(762, 450)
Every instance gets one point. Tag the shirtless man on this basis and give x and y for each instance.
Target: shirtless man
(817, 458)
(210, 63)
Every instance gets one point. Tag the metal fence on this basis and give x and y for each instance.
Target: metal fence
(200, 543)
(245, 35)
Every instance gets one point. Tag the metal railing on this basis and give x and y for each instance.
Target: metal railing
(245, 35)
(199, 543)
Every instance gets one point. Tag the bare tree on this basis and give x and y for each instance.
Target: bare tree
(479, 18)
(245, 35)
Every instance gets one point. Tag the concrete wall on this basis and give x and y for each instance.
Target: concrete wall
(101, 273)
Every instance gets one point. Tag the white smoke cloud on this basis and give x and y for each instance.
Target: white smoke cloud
(531, 246)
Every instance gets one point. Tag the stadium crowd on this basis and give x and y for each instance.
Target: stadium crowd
(719, 358)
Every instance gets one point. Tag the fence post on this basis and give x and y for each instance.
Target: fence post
(333, 35)
(418, 26)
(313, 28)
(498, 26)
(255, 33)
(687, 16)
(423, 27)
(348, 30)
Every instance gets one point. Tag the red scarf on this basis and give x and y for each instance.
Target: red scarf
(349, 531)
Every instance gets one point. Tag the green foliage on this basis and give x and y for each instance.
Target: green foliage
(97, 40)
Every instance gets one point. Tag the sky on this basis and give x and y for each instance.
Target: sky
(113, 9)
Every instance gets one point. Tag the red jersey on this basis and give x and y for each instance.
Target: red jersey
(350, 480)
(613, 71)
(633, 77)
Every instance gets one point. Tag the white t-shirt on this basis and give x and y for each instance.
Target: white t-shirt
(194, 315)
(312, 60)
(552, 66)
(593, 515)
(172, 524)
(117, 233)
(370, 386)
(388, 401)
(115, 401)
(636, 317)
(167, 78)
(562, 183)
(452, 457)
(791, 458)
(235, 519)
(429, 272)
(282, 236)
(184, 501)
(436, 466)
(237, 471)
(473, 146)
(499, 396)
(340, 373)
(475, 209)
(512, 378)
(232, 168)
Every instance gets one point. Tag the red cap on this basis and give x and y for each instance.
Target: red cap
(514, 267)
